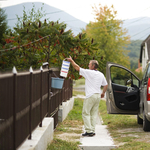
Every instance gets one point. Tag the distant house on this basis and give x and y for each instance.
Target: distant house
(145, 52)
(139, 69)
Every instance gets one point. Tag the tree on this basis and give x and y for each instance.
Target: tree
(3, 24)
(111, 38)
(34, 42)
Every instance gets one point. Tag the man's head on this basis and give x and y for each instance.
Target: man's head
(93, 64)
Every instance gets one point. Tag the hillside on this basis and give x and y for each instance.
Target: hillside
(138, 28)
(52, 13)
(134, 52)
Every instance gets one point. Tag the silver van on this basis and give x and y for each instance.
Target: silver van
(127, 94)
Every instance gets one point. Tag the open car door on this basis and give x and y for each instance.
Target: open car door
(123, 95)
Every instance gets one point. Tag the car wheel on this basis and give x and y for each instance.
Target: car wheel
(146, 123)
(139, 120)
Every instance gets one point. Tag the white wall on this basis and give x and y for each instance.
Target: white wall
(144, 57)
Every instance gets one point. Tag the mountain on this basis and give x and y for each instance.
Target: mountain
(52, 13)
(138, 28)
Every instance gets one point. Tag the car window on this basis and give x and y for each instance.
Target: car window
(135, 81)
(122, 77)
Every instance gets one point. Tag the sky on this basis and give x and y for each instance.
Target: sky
(82, 9)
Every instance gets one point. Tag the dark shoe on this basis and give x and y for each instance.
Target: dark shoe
(87, 134)
(94, 134)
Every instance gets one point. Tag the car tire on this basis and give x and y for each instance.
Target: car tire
(139, 120)
(146, 123)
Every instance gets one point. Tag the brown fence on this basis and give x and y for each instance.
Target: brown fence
(25, 99)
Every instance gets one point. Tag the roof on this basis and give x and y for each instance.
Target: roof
(147, 40)
(139, 69)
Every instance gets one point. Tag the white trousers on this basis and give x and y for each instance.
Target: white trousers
(90, 111)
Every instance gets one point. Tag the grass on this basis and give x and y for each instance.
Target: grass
(76, 112)
(116, 121)
(134, 146)
(59, 144)
(78, 93)
(125, 130)
(73, 121)
(79, 82)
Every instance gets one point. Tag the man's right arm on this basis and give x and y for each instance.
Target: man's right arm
(104, 90)
(76, 66)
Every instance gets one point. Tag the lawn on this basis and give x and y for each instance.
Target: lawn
(125, 131)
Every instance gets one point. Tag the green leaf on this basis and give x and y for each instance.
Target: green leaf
(34, 25)
(56, 31)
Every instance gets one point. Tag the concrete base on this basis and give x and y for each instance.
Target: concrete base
(40, 137)
(64, 109)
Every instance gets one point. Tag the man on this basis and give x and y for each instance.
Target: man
(94, 79)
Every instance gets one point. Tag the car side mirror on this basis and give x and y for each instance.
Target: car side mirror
(129, 82)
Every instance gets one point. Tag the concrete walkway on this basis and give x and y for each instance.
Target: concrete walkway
(101, 141)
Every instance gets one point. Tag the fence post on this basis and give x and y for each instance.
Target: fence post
(41, 97)
(49, 96)
(48, 53)
(14, 106)
(71, 86)
(30, 103)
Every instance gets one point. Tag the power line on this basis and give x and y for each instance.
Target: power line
(134, 21)
(95, 27)
(89, 27)
(77, 29)
(77, 19)
(45, 14)
(140, 12)
(141, 31)
(140, 38)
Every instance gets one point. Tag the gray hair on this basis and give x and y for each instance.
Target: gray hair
(95, 63)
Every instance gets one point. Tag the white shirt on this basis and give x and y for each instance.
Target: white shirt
(93, 81)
